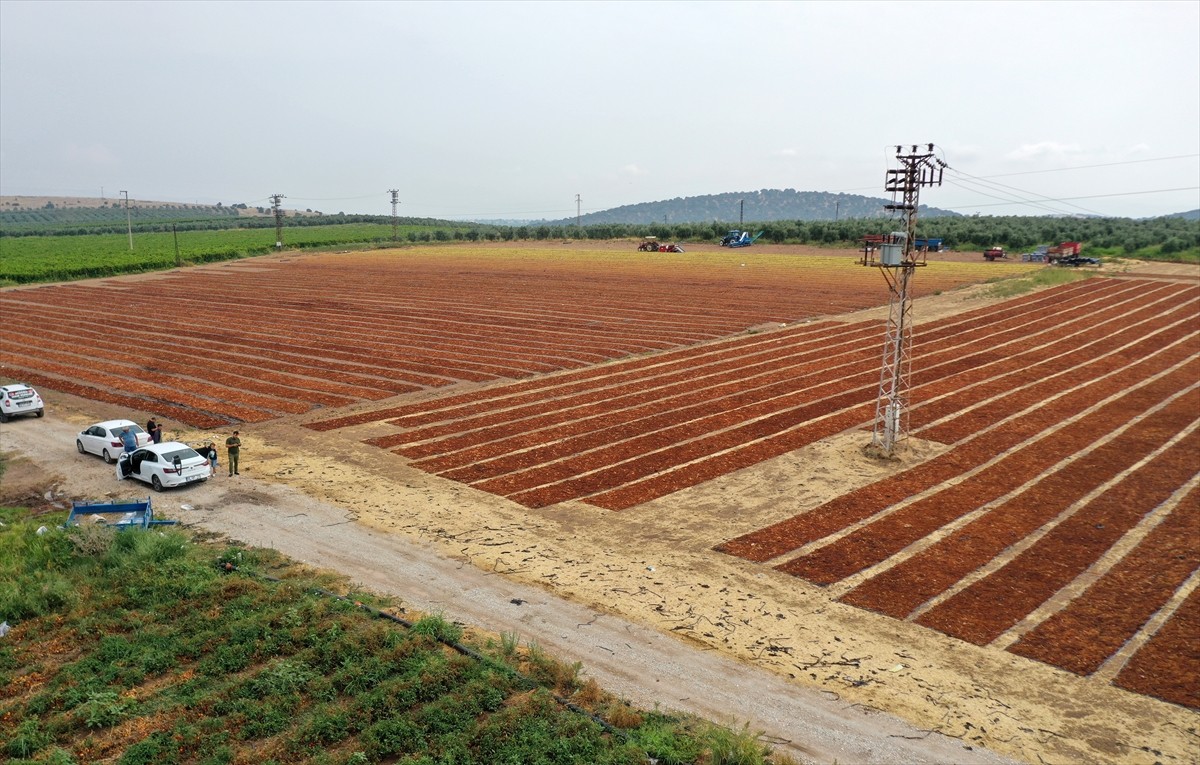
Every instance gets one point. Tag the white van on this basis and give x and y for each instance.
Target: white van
(19, 398)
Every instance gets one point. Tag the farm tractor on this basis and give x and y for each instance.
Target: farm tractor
(651, 244)
(738, 238)
(995, 253)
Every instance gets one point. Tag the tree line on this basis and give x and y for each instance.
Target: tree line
(1164, 236)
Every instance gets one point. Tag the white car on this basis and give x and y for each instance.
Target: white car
(104, 439)
(19, 398)
(164, 465)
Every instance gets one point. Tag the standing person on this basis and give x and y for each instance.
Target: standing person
(128, 440)
(212, 456)
(155, 431)
(233, 444)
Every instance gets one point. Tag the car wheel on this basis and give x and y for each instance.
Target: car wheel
(3, 418)
(40, 412)
(79, 446)
(157, 484)
(107, 457)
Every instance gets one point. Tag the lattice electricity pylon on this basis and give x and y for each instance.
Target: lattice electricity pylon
(897, 261)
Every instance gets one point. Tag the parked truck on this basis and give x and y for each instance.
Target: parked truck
(1062, 250)
(994, 253)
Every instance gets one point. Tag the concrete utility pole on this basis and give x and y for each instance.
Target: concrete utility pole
(578, 213)
(395, 222)
(741, 213)
(897, 262)
(276, 199)
(128, 222)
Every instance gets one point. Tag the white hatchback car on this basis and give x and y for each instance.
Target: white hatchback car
(19, 398)
(164, 465)
(104, 438)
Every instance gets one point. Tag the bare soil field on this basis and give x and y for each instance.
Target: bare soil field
(678, 440)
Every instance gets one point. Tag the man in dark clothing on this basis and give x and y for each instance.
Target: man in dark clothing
(233, 444)
(155, 431)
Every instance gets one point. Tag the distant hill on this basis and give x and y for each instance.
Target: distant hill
(750, 206)
(1189, 215)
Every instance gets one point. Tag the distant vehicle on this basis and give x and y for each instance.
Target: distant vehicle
(104, 439)
(164, 465)
(17, 399)
(649, 244)
(1075, 260)
(738, 238)
(1065, 251)
(994, 253)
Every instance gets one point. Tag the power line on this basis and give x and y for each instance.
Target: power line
(1090, 196)
(1040, 200)
(1104, 164)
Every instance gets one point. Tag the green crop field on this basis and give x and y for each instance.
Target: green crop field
(52, 258)
(148, 646)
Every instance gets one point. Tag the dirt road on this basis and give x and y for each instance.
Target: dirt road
(629, 659)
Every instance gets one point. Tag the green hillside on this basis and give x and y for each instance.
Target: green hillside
(760, 206)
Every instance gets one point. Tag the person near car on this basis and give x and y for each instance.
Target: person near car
(233, 444)
(210, 451)
(128, 440)
(155, 431)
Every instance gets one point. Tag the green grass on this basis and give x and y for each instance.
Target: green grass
(143, 647)
(29, 259)
(1046, 277)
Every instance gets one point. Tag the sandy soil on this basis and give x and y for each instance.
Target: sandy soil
(640, 597)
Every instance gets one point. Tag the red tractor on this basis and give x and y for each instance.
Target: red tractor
(994, 253)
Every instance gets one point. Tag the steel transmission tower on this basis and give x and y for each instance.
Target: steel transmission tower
(128, 221)
(898, 260)
(395, 222)
(275, 201)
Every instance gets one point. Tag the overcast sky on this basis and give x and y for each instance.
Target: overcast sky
(509, 110)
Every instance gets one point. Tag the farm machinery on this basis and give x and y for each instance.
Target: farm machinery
(1067, 254)
(738, 238)
(651, 244)
(122, 514)
(995, 253)
(1064, 254)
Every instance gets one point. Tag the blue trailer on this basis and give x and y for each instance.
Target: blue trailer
(121, 514)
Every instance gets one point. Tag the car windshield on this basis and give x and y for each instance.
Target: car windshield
(182, 454)
(134, 429)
